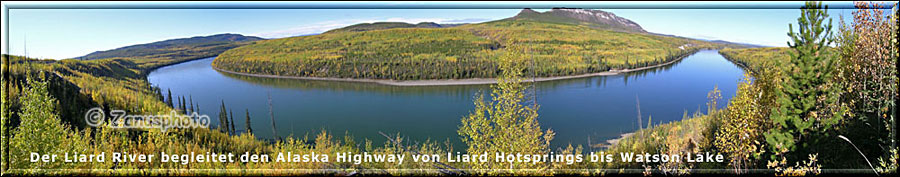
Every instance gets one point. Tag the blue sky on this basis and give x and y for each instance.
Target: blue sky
(67, 33)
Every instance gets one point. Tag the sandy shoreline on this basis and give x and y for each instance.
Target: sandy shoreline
(445, 82)
(613, 142)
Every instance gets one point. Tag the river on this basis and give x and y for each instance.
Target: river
(597, 108)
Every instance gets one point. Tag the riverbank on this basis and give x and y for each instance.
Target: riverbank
(611, 142)
(740, 64)
(446, 82)
(614, 142)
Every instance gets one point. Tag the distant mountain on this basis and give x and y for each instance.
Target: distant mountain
(177, 48)
(726, 43)
(389, 25)
(604, 20)
(592, 18)
(736, 43)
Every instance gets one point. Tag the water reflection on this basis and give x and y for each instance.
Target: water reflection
(342, 86)
(453, 90)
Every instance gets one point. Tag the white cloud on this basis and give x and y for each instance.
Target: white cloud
(702, 36)
(321, 27)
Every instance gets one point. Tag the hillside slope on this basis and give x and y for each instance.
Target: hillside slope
(466, 51)
(200, 46)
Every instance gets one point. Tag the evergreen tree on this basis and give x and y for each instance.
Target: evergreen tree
(249, 130)
(169, 99)
(231, 113)
(178, 104)
(191, 102)
(223, 118)
(183, 105)
(807, 91)
(159, 94)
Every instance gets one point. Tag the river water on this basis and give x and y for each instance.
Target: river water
(596, 108)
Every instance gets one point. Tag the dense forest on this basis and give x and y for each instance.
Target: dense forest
(758, 58)
(802, 110)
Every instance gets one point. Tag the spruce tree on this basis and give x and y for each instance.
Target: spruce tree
(159, 94)
(249, 130)
(231, 121)
(223, 118)
(169, 99)
(806, 91)
(191, 101)
(183, 106)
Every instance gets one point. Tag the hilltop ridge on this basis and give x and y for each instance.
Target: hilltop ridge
(176, 48)
(593, 18)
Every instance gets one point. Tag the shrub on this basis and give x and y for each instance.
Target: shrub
(506, 124)
(742, 126)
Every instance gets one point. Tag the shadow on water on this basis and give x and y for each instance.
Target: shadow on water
(600, 81)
